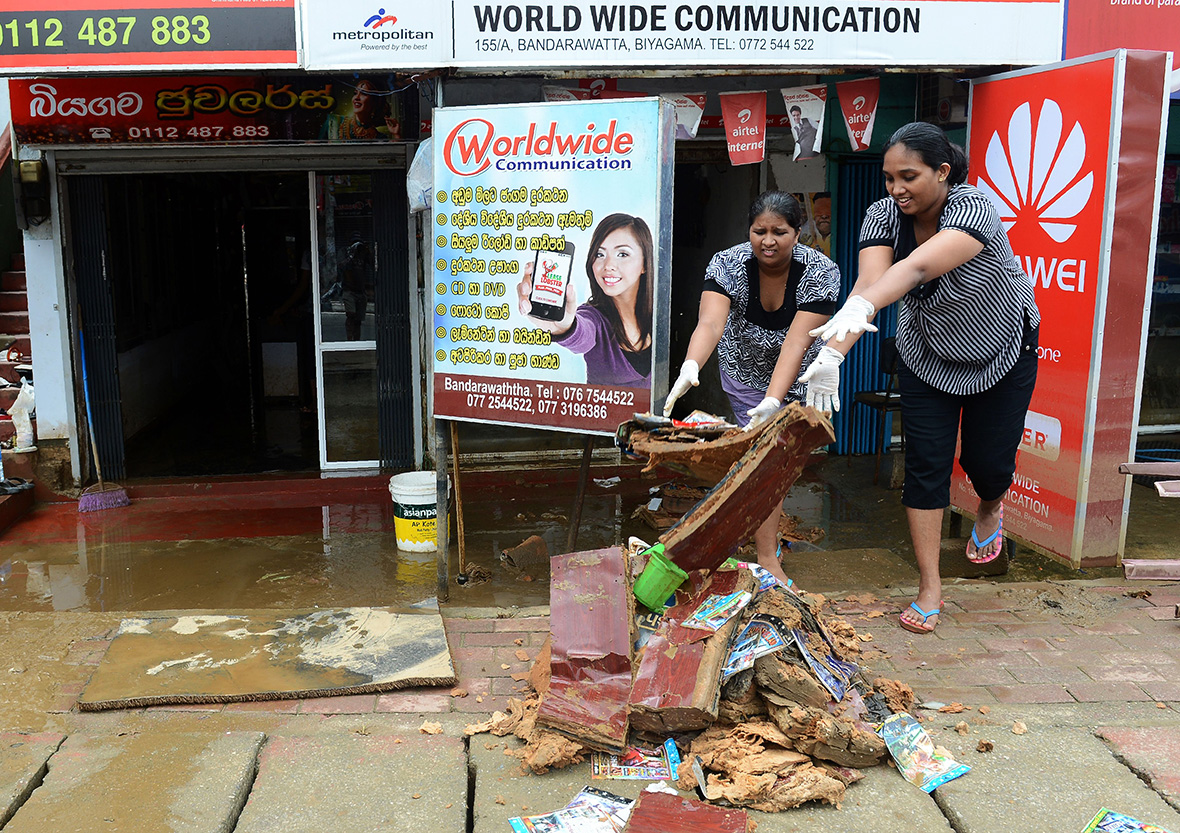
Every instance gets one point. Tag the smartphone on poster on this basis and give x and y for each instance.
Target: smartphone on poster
(551, 279)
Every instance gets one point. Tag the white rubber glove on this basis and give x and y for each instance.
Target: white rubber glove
(689, 378)
(853, 317)
(761, 412)
(823, 380)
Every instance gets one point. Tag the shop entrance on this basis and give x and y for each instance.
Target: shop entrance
(215, 309)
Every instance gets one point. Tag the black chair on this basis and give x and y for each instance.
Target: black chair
(883, 401)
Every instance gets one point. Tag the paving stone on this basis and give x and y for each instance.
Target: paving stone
(975, 676)
(1096, 692)
(346, 704)
(22, 766)
(1168, 692)
(1045, 781)
(1107, 629)
(1031, 694)
(155, 781)
(1125, 673)
(1031, 643)
(264, 706)
(469, 625)
(413, 702)
(345, 781)
(1152, 754)
(529, 623)
(1057, 676)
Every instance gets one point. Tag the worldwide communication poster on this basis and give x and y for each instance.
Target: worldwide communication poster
(550, 250)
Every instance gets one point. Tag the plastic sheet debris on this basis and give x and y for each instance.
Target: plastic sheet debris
(591, 811)
(715, 611)
(921, 762)
(1108, 821)
(636, 763)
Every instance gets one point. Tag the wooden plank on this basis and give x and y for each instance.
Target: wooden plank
(723, 521)
(678, 684)
(661, 813)
(591, 616)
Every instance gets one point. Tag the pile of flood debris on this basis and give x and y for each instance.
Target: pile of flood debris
(760, 688)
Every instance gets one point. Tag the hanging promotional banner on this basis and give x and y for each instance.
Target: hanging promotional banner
(586, 34)
(86, 36)
(207, 109)
(360, 34)
(744, 116)
(688, 106)
(858, 103)
(1077, 191)
(551, 258)
(805, 107)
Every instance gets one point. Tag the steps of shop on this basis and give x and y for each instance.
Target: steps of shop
(14, 323)
(13, 280)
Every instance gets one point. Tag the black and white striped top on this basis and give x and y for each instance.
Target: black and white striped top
(753, 337)
(962, 331)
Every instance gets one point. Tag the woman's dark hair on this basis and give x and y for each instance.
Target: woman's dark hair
(780, 203)
(933, 147)
(643, 301)
(378, 93)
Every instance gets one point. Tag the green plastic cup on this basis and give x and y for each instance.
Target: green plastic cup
(659, 579)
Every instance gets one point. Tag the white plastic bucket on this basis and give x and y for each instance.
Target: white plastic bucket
(415, 510)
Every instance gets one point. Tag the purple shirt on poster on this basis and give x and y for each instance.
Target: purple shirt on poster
(606, 363)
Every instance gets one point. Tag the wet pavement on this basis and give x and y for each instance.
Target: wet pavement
(1085, 659)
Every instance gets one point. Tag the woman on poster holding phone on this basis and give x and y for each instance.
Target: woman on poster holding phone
(611, 331)
(759, 300)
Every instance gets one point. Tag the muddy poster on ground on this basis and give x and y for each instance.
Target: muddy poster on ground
(551, 236)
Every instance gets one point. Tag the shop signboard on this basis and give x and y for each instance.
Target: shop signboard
(88, 36)
(587, 34)
(381, 34)
(1098, 25)
(176, 110)
(551, 253)
(1076, 182)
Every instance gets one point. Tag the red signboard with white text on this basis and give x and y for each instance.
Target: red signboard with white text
(1076, 187)
(1098, 25)
(858, 103)
(744, 117)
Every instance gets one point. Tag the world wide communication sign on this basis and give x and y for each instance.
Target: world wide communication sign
(551, 254)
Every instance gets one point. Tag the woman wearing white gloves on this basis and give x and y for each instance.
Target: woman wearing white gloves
(966, 335)
(759, 300)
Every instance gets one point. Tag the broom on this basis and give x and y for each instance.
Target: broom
(103, 495)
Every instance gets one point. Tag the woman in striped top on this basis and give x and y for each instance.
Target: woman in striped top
(966, 335)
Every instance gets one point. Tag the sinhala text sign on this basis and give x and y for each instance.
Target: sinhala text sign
(1077, 188)
(556, 208)
(91, 35)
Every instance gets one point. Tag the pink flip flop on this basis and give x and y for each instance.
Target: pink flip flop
(997, 536)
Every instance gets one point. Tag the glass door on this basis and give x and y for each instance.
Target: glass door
(345, 273)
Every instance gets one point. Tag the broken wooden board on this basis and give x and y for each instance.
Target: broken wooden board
(678, 684)
(659, 812)
(723, 521)
(591, 612)
(704, 459)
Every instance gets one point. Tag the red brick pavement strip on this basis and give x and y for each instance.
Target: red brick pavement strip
(1105, 692)
(1153, 754)
(1030, 694)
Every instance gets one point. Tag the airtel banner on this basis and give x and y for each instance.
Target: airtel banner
(858, 101)
(1076, 190)
(744, 115)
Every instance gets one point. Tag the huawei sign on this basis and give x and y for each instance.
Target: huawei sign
(1035, 176)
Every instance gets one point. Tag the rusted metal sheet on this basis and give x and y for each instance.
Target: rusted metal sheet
(678, 684)
(591, 615)
(662, 813)
(759, 481)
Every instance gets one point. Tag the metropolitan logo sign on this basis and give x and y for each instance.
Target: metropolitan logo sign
(376, 34)
(1035, 175)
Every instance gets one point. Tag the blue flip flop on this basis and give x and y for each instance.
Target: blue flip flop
(925, 614)
(979, 545)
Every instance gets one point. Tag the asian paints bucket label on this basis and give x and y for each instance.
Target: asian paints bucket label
(415, 510)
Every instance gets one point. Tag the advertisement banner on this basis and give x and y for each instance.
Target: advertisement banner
(744, 116)
(688, 106)
(805, 107)
(1101, 25)
(376, 34)
(550, 261)
(232, 109)
(587, 34)
(1041, 145)
(86, 36)
(858, 103)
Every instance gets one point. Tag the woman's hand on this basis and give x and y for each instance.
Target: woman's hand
(761, 412)
(852, 318)
(689, 378)
(823, 380)
(557, 328)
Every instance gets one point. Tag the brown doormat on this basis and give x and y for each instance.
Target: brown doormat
(213, 658)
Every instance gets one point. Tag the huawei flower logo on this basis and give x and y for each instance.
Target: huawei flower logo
(1036, 175)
